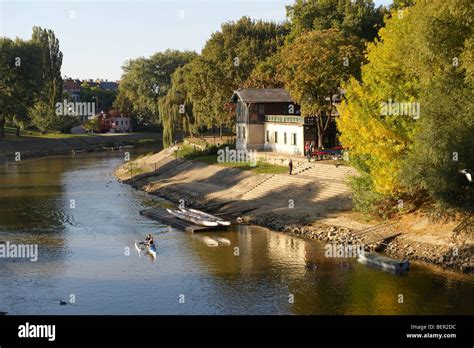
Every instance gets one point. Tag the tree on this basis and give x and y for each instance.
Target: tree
(20, 80)
(205, 83)
(265, 74)
(43, 115)
(443, 138)
(399, 4)
(177, 108)
(422, 60)
(52, 91)
(227, 60)
(92, 124)
(146, 80)
(313, 68)
(356, 18)
(104, 97)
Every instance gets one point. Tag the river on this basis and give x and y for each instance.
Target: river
(85, 224)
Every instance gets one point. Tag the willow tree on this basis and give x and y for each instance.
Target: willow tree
(146, 80)
(176, 108)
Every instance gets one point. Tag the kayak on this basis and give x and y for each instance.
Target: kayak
(192, 218)
(206, 216)
(151, 249)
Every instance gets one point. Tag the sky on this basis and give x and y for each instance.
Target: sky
(97, 36)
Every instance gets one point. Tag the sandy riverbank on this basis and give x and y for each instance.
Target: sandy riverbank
(317, 206)
(29, 147)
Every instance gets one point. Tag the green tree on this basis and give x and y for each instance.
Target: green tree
(52, 91)
(92, 125)
(20, 81)
(226, 62)
(265, 74)
(423, 58)
(313, 68)
(104, 97)
(177, 108)
(43, 115)
(146, 80)
(357, 18)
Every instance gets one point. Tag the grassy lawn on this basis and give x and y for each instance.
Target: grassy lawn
(10, 135)
(197, 141)
(188, 152)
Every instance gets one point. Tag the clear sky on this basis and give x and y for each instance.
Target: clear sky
(96, 37)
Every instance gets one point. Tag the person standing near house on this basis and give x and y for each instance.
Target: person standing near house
(290, 166)
(310, 151)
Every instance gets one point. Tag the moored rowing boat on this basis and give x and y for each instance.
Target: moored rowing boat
(192, 218)
(206, 216)
(383, 261)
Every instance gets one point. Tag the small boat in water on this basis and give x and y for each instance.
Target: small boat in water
(151, 249)
(206, 216)
(192, 218)
(383, 261)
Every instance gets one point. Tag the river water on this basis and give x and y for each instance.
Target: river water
(85, 224)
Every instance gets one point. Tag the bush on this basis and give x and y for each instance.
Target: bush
(368, 201)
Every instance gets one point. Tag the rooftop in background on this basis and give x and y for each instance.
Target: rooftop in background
(262, 95)
(75, 84)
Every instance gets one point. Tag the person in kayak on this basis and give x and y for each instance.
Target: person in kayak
(149, 240)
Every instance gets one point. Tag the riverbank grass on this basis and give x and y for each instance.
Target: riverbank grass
(10, 135)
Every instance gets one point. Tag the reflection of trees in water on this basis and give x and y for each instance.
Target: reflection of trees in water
(273, 265)
(32, 206)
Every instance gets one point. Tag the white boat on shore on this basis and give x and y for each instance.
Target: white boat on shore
(206, 216)
(192, 218)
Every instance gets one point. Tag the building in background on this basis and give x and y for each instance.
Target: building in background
(113, 122)
(73, 87)
(267, 119)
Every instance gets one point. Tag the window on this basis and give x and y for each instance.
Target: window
(284, 138)
(243, 132)
(261, 109)
(276, 137)
(267, 137)
(293, 139)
